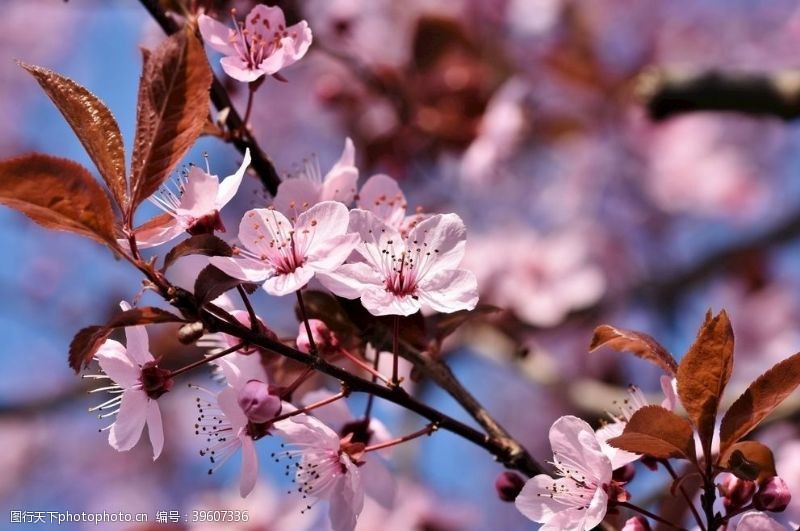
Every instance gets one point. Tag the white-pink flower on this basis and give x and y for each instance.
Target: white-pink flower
(628, 407)
(285, 256)
(382, 196)
(578, 499)
(399, 274)
(304, 190)
(133, 403)
(263, 45)
(194, 207)
(758, 521)
(326, 468)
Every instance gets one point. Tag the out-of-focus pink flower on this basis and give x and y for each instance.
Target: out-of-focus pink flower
(628, 407)
(298, 193)
(758, 521)
(286, 255)
(325, 340)
(327, 467)
(382, 196)
(257, 402)
(262, 46)
(399, 274)
(194, 207)
(637, 523)
(508, 485)
(577, 500)
(773, 495)
(137, 383)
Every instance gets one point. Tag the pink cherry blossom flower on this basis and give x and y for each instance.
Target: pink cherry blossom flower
(382, 196)
(300, 192)
(137, 383)
(286, 256)
(758, 521)
(578, 499)
(399, 274)
(637, 400)
(326, 468)
(263, 45)
(194, 207)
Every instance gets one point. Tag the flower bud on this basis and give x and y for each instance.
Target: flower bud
(257, 402)
(736, 492)
(155, 380)
(637, 523)
(773, 495)
(326, 341)
(624, 473)
(508, 485)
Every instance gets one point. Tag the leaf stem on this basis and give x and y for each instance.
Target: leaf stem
(648, 514)
(304, 316)
(341, 394)
(207, 359)
(427, 430)
(685, 494)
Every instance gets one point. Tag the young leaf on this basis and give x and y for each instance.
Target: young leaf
(749, 460)
(212, 282)
(704, 372)
(88, 340)
(637, 343)
(659, 433)
(58, 194)
(759, 400)
(204, 244)
(171, 111)
(94, 125)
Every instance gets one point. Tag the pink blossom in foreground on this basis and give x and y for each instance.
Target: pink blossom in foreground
(578, 499)
(628, 407)
(326, 467)
(758, 521)
(263, 45)
(133, 404)
(399, 274)
(285, 256)
(194, 207)
(382, 196)
(300, 192)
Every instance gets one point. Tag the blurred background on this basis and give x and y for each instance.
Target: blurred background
(588, 200)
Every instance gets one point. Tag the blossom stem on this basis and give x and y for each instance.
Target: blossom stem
(427, 430)
(648, 514)
(246, 120)
(207, 359)
(250, 311)
(395, 362)
(373, 371)
(304, 316)
(371, 397)
(685, 494)
(341, 394)
(287, 393)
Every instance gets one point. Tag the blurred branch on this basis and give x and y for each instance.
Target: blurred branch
(670, 92)
(241, 136)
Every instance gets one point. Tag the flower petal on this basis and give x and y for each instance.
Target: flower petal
(239, 70)
(574, 442)
(347, 499)
(230, 185)
(216, 35)
(535, 500)
(297, 43)
(249, 466)
(155, 428)
(228, 403)
(242, 268)
(285, 283)
(382, 196)
(332, 253)
(378, 481)
(157, 234)
(445, 236)
(340, 181)
(295, 195)
(758, 521)
(619, 458)
(319, 224)
(450, 291)
(199, 194)
(379, 302)
(126, 430)
(261, 228)
(351, 280)
(137, 343)
(114, 361)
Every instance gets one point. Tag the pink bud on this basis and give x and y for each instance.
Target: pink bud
(637, 523)
(736, 492)
(509, 485)
(624, 474)
(773, 495)
(257, 402)
(326, 341)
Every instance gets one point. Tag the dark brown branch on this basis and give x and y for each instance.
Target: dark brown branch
(667, 93)
(240, 135)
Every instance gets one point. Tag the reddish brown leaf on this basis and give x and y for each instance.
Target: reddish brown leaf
(659, 433)
(58, 194)
(759, 400)
(213, 282)
(704, 372)
(171, 111)
(86, 342)
(94, 125)
(749, 460)
(203, 244)
(637, 343)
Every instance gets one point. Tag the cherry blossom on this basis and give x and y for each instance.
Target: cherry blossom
(578, 499)
(285, 256)
(628, 407)
(194, 207)
(398, 275)
(137, 383)
(327, 467)
(758, 521)
(263, 45)
(382, 196)
(304, 190)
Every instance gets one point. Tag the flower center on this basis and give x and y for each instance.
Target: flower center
(155, 380)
